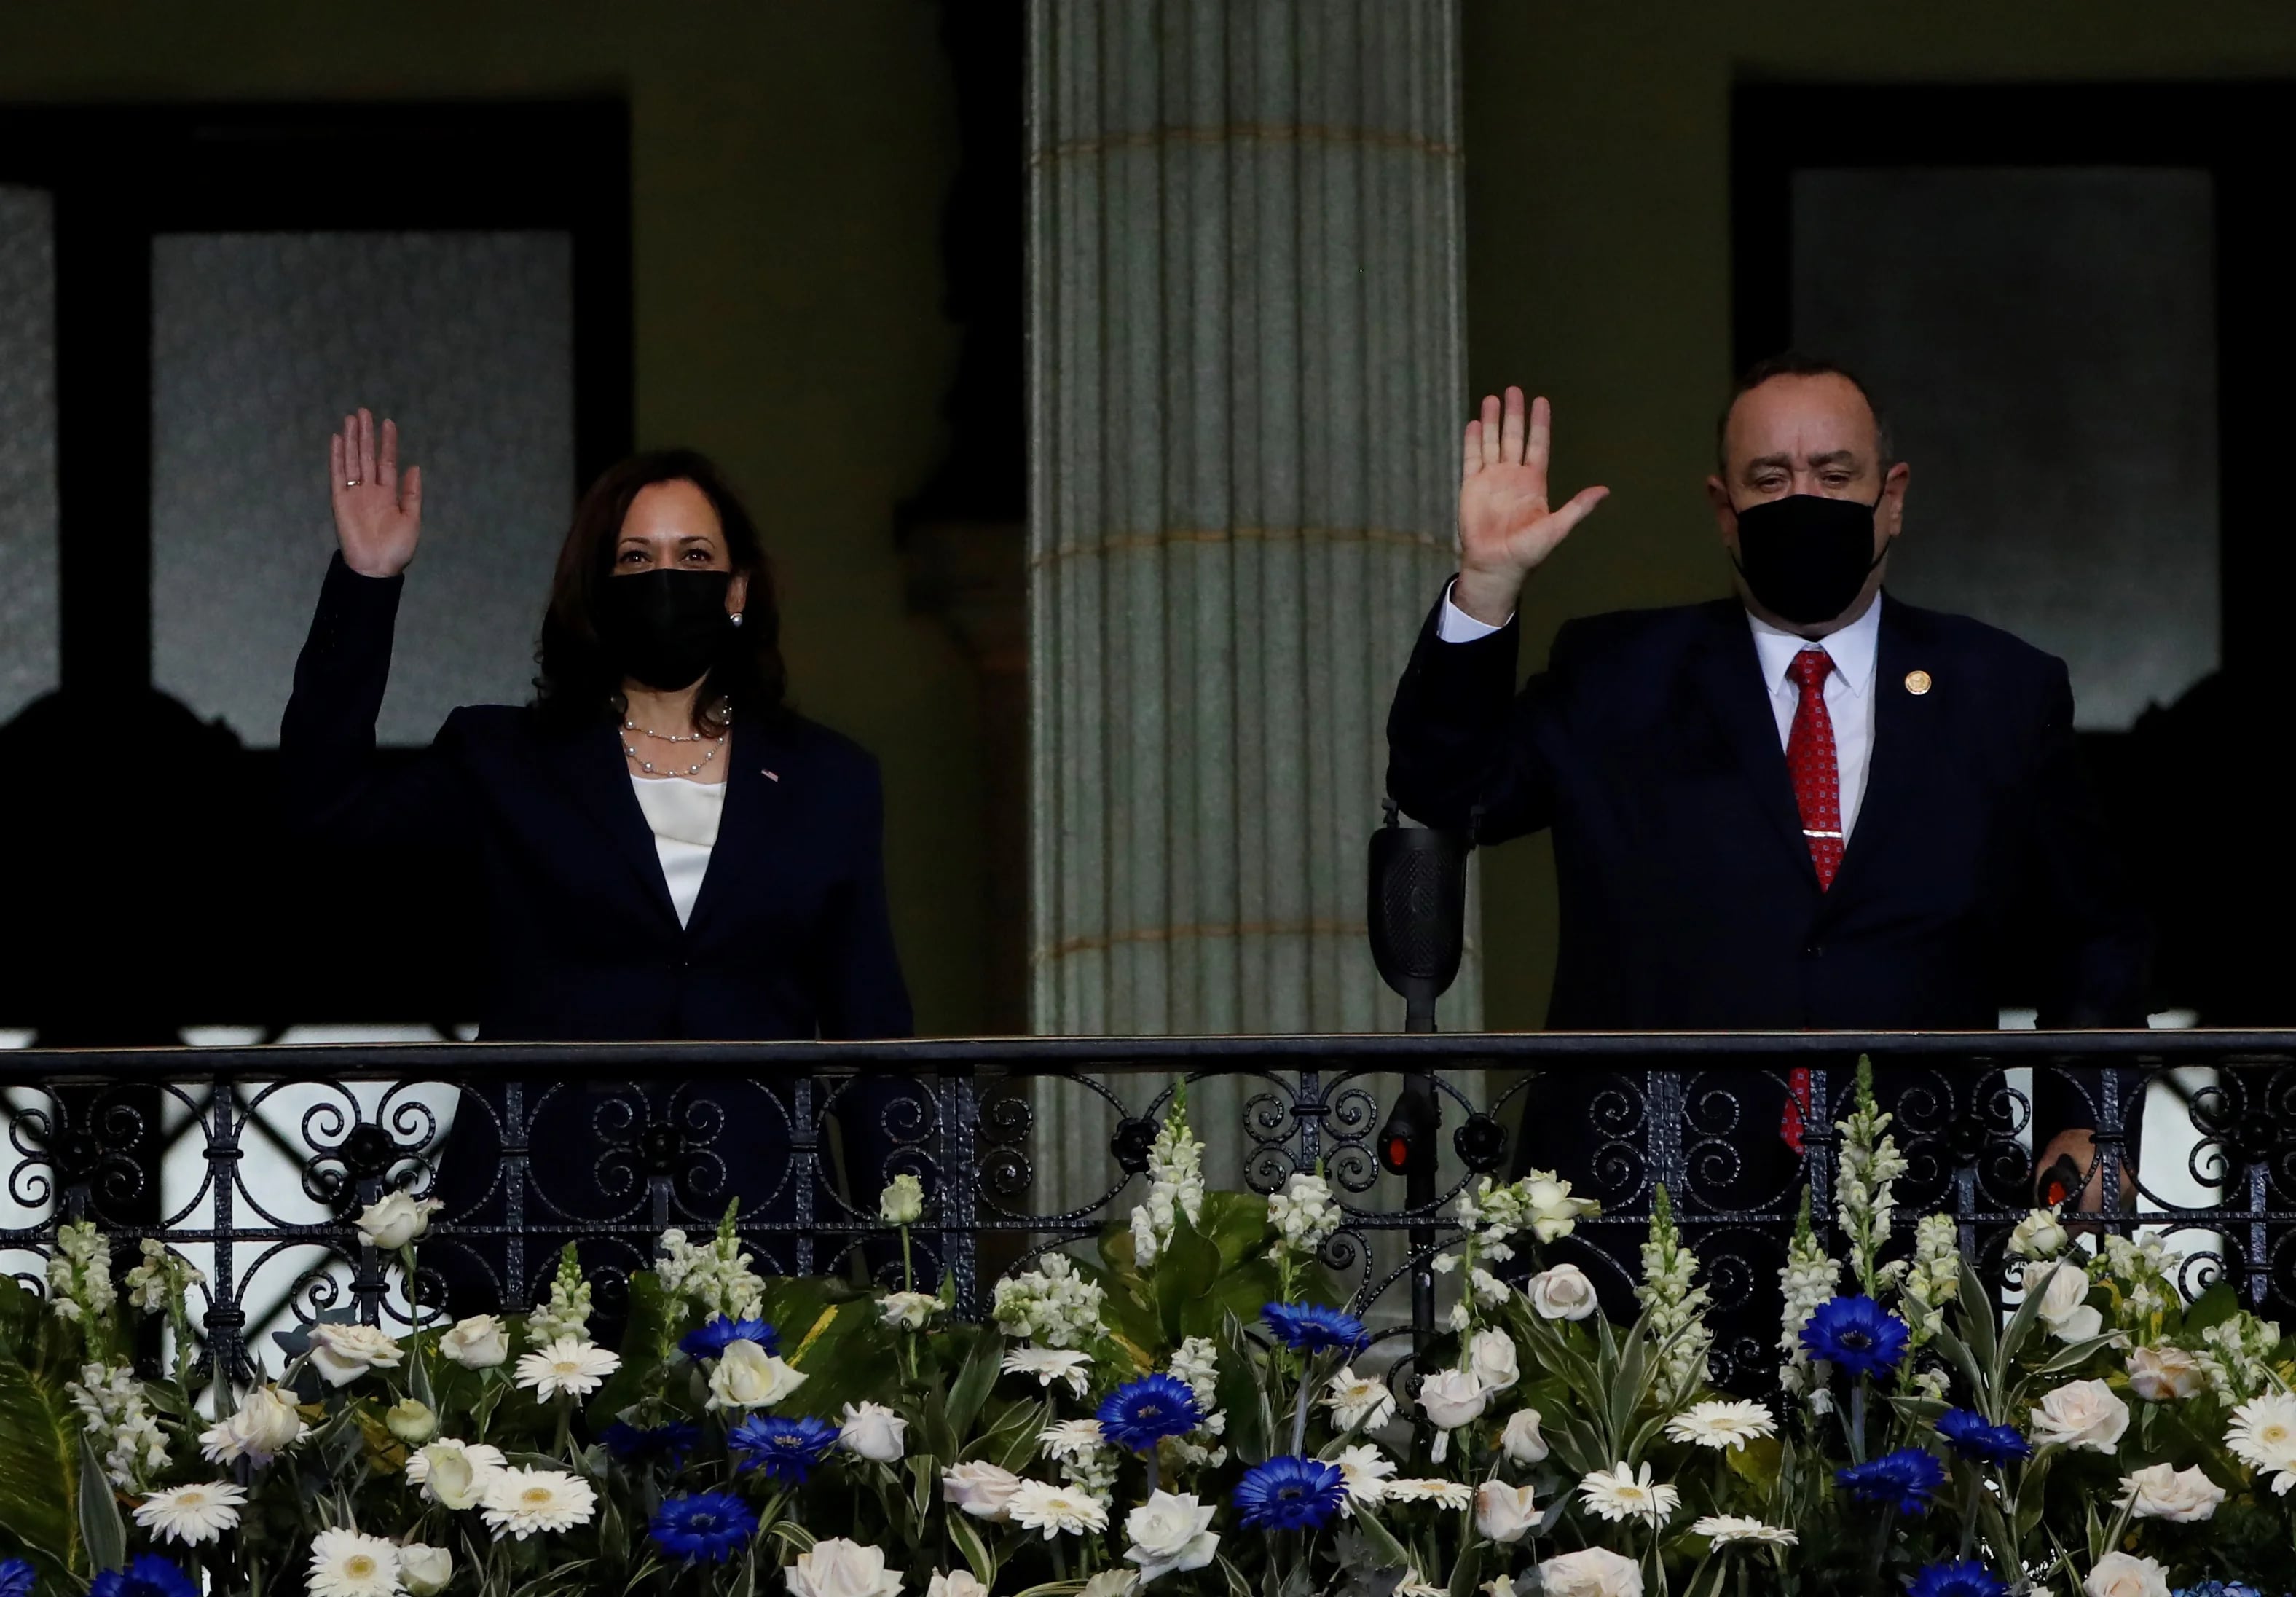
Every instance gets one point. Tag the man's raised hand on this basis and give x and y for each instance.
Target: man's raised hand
(1506, 529)
(378, 513)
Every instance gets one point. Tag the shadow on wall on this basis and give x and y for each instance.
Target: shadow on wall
(156, 889)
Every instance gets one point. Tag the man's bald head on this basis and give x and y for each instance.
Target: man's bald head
(1823, 380)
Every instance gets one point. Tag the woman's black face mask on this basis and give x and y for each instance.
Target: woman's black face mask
(1805, 558)
(665, 628)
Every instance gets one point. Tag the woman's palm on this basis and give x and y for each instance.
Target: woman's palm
(378, 513)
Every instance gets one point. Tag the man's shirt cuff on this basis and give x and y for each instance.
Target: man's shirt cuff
(1457, 626)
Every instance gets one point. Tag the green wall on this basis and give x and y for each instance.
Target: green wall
(1598, 271)
(790, 162)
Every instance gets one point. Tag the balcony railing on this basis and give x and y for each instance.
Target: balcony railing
(251, 1163)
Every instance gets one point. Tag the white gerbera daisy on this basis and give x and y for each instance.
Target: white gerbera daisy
(346, 1564)
(1725, 1530)
(1358, 1401)
(1620, 1493)
(1072, 1439)
(1720, 1425)
(1049, 1364)
(569, 1365)
(2263, 1433)
(193, 1514)
(1364, 1471)
(1443, 1494)
(1040, 1505)
(521, 1502)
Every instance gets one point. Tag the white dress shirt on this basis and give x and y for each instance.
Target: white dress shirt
(684, 816)
(1856, 650)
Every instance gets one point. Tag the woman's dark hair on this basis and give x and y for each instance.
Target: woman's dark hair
(579, 682)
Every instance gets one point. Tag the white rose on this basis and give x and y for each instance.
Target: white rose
(394, 1220)
(875, 1432)
(2039, 1235)
(344, 1353)
(2081, 1413)
(2119, 1574)
(982, 1490)
(1504, 1513)
(955, 1583)
(2063, 1288)
(266, 1424)
(2164, 1374)
(1452, 1397)
(903, 1201)
(1491, 1356)
(910, 1311)
(454, 1474)
(1554, 1213)
(748, 1376)
(424, 1570)
(837, 1568)
(1562, 1293)
(2180, 1496)
(482, 1342)
(1521, 1441)
(1170, 1531)
(1596, 1572)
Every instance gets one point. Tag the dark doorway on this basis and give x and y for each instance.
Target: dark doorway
(206, 281)
(2071, 298)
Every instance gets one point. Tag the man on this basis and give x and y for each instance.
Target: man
(1808, 806)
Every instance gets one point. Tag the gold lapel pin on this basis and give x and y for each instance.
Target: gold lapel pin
(1917, 682)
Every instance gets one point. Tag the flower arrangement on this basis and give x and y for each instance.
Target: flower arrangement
(1192, 1410)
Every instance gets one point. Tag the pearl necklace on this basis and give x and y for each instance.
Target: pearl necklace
(646, 766)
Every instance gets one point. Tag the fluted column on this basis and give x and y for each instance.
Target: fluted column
(1245, 391)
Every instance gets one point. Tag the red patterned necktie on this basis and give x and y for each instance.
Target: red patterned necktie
(1817, 794)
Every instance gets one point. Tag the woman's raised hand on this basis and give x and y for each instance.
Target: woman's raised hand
(378, 513)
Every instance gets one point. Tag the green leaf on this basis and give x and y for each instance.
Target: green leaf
(2214, 1306)
(973, 1548)
(1250, 1420)
(100, 1525)
(973, 1380)
(1185, 1272)
(1390, 1553)
(1977, 1315)
(39, 1456)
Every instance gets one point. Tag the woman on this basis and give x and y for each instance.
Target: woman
(662, 849)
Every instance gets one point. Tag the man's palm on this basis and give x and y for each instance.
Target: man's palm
(1506, 527)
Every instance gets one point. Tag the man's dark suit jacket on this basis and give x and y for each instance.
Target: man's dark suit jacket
(1977, 873)
(1688, 899)
(789, 938)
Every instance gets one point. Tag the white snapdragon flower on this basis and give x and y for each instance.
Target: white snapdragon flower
(1050, 1304)
(1304, 1216)
(1175, 1184)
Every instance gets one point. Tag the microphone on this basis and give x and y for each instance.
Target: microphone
(1417, 914)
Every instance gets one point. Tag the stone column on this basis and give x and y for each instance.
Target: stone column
(1245, 391)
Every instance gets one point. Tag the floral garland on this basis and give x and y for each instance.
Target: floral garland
(1192, 1410)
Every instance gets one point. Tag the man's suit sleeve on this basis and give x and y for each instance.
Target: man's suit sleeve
(1460, 738)
(2102, 946)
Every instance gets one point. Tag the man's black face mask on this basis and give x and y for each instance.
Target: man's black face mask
(1805, 556)
(665, 628)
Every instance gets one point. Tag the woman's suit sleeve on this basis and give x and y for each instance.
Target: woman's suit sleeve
(335, 789)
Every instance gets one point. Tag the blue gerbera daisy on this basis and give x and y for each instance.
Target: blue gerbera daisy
(717, 1333)
(1968, 1433)
(634, 1445)
(1904, 1480)
(1856, 1333)
(148, 1576)
(1965, 1577)
(1311, 1327)
(707, 1527)
(1138, 1414)
(787, 1450)
(1290, 1492)
(15, 1579)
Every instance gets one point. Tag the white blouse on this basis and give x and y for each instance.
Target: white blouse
(683, 815)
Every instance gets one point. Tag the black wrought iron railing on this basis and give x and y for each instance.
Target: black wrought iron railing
(253, 1162)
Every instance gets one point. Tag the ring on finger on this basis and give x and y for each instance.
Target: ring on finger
(354, 483)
